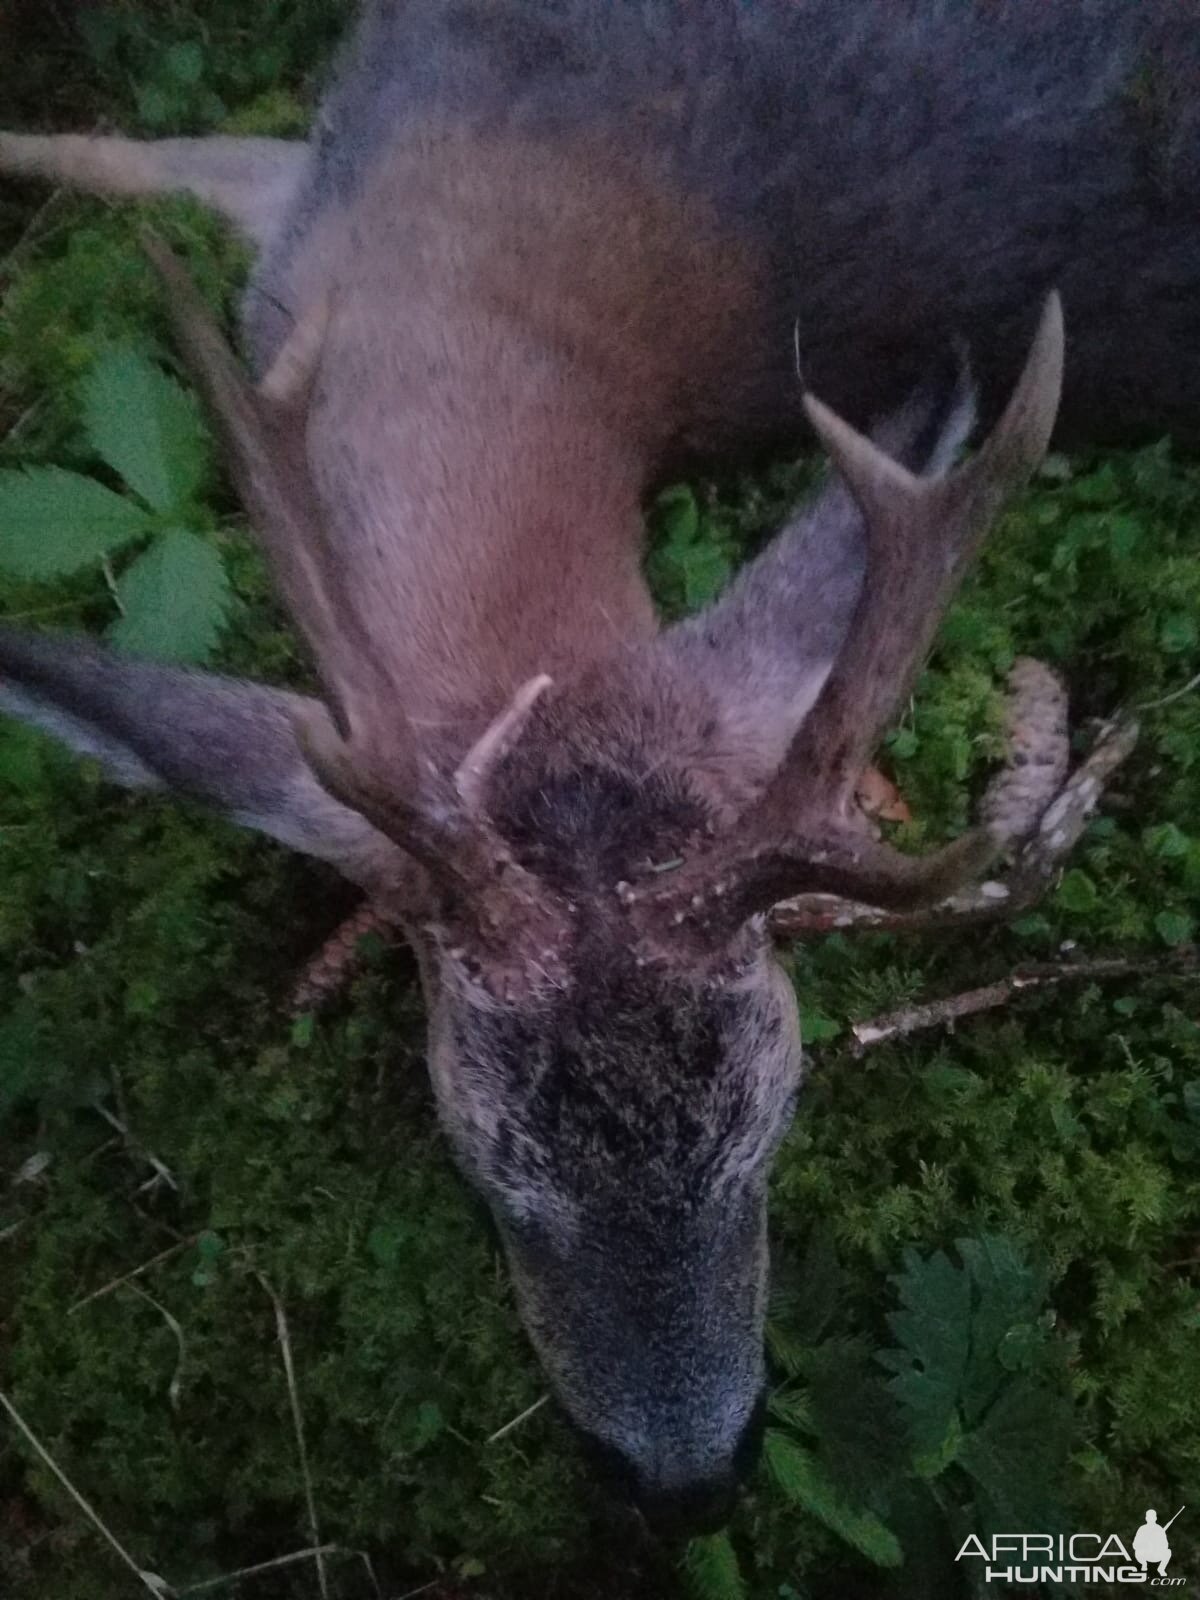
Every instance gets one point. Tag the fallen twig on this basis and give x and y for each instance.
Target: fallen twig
(945, 1013)
(508, 1427)
(333, 965)
(128, 1277)
(149, 1580)
(285, 1346)
(1034, 867)
(315, 1553)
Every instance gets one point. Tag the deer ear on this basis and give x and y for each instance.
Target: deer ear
(767, 645)
(225, 742)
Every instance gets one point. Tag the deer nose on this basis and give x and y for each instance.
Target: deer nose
(689, 1506)
(691, 1509)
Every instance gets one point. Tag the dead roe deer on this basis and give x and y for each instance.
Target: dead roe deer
(534, 258)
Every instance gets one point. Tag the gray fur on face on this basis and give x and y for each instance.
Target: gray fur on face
(622, 1132)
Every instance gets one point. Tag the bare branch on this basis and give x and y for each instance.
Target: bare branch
(285, 1346)
(945, 1013)
(147, 1579)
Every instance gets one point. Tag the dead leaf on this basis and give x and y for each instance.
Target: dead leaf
(879, 797)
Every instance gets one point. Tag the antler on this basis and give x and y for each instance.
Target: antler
(362, 748)
(804, 833)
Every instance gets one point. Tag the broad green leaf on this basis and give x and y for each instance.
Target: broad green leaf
(1174, 927)
(804, 1482)
(1077, 892)
(1178, 632)
(1018, 1454)
(678, 515)
(21, 752)
(704, 569)
(175, 598)
(814, 1028)
(1166, 840)
(1009, 1294)
(145, 427)
(185, 62)
(54, 522)
(932, 1331)
(860, 1435)
(712, 1570)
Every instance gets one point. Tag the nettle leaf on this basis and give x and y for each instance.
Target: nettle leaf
(933, 1333)
(54, 522)
(1009, 1295)
(804, 1482)
(146, 427)
(856, 1420)
(175, 598)
(712, 1569)
(1018, 1454)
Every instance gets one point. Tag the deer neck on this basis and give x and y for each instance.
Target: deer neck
(483, 502)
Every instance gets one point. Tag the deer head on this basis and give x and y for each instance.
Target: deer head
(614, 1048)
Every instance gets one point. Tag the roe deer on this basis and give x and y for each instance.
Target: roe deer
(535, 257)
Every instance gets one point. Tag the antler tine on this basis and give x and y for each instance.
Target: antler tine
(803, 834)
(922, 533)
(516, 926)
(373, 766)
(263, 440)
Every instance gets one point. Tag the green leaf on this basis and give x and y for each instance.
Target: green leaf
(1009, 1293)
(704, 569)
(678, 516)
(185, 62)
(712, 1570)
(1167, 841)
(932, 1332)
(814, 1028)
(803, 1481)
(1018, 1455)
(1177, 632)
(903, 744)
(145, 427)
(860, 1437)
(22, 1051)
(21, 751)
(175, 597)
(1174, 927)
(54, 522)
(1077, 892)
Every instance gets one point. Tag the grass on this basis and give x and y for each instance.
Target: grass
(246, 1307)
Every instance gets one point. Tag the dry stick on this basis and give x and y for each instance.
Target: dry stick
(332, 966)
(155, 1588)
(944, 1013)
(285, 1345)
(128, 1277)
(261, 1566)
(516, 1422)
(1037, 862)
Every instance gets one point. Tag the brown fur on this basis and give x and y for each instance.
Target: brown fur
(519, 336)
